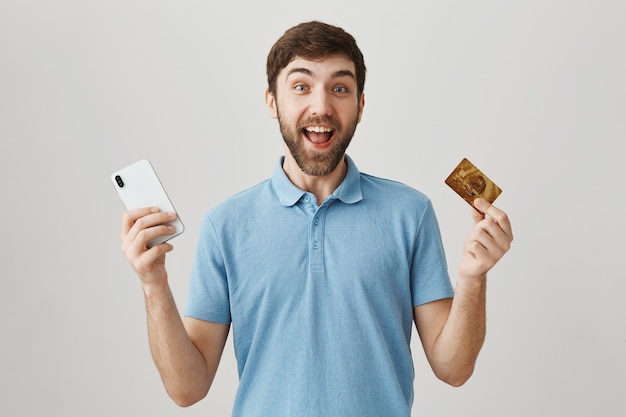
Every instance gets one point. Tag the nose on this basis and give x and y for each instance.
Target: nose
(320, 104)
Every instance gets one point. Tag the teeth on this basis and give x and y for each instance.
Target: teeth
(319, 129)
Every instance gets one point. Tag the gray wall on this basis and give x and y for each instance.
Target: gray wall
(531, 91)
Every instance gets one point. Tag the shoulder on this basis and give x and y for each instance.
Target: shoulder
(388, 191)
(242, 202)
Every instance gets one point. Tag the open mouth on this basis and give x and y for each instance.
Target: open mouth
(318, 135)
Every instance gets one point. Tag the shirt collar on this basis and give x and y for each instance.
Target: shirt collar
(349, 191)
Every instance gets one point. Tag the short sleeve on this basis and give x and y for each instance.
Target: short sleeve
(208, 288)
(430, 280)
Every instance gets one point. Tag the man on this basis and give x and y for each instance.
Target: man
(321, 270)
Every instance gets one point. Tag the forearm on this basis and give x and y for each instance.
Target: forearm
(454, 341)
(459, 343)
(180, 364)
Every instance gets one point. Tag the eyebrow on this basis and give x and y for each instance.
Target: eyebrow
(336, 74)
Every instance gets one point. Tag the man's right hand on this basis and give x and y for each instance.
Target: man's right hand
(186, 353)
(138, 228)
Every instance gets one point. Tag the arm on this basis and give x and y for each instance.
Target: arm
(186, 353)
(453, 330)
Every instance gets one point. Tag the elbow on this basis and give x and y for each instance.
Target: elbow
(185, 398)
(457, 381)
(183, 401)
(456, 377)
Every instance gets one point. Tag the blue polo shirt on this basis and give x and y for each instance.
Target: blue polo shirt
(320, 298)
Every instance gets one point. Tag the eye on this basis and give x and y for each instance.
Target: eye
(340, 89)
(300, 87)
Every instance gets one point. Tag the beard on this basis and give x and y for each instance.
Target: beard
(317, 163)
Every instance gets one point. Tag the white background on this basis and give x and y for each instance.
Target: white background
(533, 92)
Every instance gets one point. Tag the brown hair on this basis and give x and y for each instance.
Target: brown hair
(313, 40)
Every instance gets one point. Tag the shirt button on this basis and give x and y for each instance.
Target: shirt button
(307, 198)
(316, 222)
(316, 245)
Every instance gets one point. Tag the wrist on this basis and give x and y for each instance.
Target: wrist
(153, 288)
(472, 281)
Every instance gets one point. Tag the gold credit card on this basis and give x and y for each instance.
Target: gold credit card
(470, 183)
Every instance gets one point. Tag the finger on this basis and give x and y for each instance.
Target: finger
(498, 216)
(477, 215)
(137, 240)
(131, 216)
(137, 250)
(487, 243)
(478, 260)
(146, 261)
(145, 236)
(154, 218)
(490, 239)
(145, 229)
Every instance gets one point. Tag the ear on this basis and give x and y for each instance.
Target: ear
(270, 101)
(361, 105)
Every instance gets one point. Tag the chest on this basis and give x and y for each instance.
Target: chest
(304, 259)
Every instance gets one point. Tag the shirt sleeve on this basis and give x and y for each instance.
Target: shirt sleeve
(430, 280)
(208, 288)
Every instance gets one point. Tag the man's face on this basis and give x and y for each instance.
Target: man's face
(317, 108)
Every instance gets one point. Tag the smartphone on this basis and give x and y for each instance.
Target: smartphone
(139, 186)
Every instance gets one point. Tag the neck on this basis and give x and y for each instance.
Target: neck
(320, 187)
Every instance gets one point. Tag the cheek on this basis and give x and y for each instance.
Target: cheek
(288, 116)
(350, 113)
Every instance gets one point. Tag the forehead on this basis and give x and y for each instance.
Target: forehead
(331, 66)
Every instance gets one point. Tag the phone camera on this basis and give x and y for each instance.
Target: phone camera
(119, 181)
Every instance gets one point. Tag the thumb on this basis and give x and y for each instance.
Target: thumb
(479, 209)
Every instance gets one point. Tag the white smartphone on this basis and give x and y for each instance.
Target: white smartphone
(139, 186)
